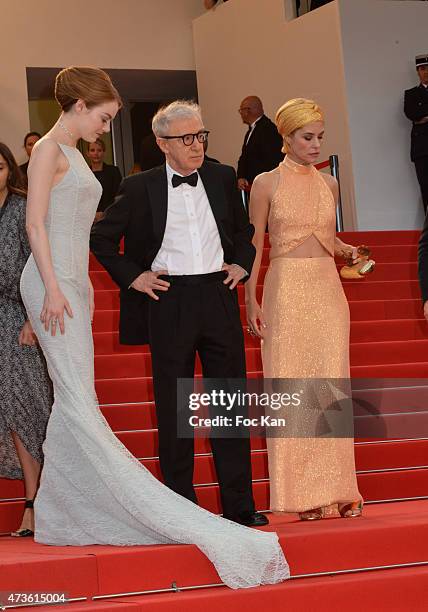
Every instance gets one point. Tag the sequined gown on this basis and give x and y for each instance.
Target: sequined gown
(92, 490)
(307, 336)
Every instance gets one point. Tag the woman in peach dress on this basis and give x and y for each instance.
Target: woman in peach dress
(304, 318)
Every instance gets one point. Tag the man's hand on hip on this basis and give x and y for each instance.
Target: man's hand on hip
(234, 274)
(148, 282)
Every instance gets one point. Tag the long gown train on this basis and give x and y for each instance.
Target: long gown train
(92, 490)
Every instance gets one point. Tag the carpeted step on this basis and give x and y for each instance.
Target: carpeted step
(107, 342)
(381, 537)
(370, 310)
(391, 370)
(361, 307)
(392, 329)
(129, 390)
(383, 590)
(390, 272)
(361, 354)
(381, 237)
(382, 290)
(379, 353)
(140, 389)
(130, 417)
(106, 299)
(108, 320)
(401, 589)
(368, 456)
(142, 416)
(375, 486)
(393, 294)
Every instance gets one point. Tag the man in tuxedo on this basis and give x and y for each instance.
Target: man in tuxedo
(416, 109)
(182, 222)
(262, 146)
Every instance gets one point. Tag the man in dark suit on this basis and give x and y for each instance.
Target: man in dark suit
(416, 109)
(318, 3)
(181, 222)
(262, 146)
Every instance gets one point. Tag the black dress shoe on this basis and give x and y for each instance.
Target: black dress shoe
(250, 519)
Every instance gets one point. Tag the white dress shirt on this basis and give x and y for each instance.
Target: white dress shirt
(191, 243)
(252, 126)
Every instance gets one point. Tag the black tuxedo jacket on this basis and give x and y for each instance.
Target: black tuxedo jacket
(139, 215)
(263, 151)
(415, 108)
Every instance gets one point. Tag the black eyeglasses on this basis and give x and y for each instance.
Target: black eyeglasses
(188, 139)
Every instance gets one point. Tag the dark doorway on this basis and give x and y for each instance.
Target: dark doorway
(143, 91)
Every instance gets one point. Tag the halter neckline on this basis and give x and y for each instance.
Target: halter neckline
(296, 167)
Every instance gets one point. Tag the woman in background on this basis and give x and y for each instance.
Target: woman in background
(29, 141)
(304, 321)
(25, 390)
(109, 176)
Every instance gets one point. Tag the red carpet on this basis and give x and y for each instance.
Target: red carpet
(389, 338)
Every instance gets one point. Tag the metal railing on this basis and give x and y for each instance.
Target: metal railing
(333, 164)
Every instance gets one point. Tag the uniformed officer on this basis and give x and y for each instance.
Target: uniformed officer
(416, 109)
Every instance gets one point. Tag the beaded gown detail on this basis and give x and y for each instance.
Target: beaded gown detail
(307, 336)
(92, 490)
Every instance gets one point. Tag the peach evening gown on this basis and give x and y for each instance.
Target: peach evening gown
(307, 337)
(92, 490)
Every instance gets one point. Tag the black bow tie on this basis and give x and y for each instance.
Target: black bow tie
(191, 180)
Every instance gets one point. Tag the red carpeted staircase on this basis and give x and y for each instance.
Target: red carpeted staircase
(377, 562)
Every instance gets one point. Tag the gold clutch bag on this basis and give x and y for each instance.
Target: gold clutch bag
(360, 269)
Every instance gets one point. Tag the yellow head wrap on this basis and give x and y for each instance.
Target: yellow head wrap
(294, 115)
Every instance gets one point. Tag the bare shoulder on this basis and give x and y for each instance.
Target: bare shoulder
(332, 184)
(46, 148)
(265, 184)
(47, 159)
(330, 180)
(47, 144)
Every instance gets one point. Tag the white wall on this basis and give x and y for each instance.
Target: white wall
(380, 40)
(355, 57)
(247, 47)
(151, 34)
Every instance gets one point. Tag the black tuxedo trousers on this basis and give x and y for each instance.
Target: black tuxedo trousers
(201, 318)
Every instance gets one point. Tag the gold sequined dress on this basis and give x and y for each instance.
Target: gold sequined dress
(307, 336)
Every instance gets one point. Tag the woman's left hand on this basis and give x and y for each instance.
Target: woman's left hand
(26, 336)
(91, 301)
(351, 252)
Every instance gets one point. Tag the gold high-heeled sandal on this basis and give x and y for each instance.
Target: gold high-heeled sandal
(351, 510)
(312, 515)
